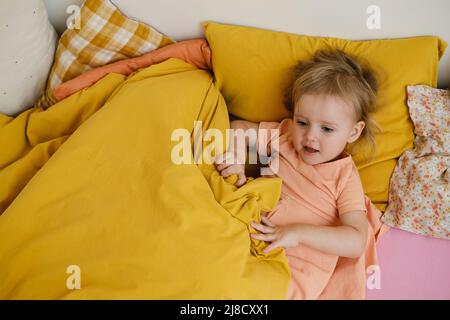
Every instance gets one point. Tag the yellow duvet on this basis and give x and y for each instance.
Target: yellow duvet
(93, 207)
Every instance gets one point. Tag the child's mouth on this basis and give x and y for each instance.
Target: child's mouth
(310, 150)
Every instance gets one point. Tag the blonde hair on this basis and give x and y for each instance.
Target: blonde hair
(336, 73)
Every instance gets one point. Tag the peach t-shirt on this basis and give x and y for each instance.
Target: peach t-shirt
(316, 195)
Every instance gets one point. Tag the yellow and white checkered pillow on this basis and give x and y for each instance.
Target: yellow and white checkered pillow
(105, 35)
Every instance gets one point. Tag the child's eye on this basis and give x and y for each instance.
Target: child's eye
(301, 123)
(326, 129)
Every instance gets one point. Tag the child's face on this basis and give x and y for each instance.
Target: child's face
(323, 125)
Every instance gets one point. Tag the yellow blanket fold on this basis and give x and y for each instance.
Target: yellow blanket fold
(90, 196)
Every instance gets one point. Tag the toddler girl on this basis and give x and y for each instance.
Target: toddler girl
(321, 219)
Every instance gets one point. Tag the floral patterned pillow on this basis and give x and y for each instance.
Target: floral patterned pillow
(419, 194)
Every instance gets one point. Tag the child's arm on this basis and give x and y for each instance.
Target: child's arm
(348, 240)
(245, 125)
(238, 168)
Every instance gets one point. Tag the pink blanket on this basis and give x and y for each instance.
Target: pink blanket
(412, 267)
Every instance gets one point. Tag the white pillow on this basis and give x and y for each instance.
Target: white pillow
(28, 43)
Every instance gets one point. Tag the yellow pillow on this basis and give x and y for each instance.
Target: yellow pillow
(104, 35)
(252, 68)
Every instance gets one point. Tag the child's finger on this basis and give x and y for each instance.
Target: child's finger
(242, 180)
(262, 228)
(219, 158)
(267, 221)
(222, 166)
(263, 237)
(229, 171)
(273, 245)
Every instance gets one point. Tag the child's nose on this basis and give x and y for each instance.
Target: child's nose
(311, 135)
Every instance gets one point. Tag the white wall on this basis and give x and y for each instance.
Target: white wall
(180, 19)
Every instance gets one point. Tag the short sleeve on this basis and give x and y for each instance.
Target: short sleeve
(352, 197)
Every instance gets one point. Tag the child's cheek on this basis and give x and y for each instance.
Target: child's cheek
(297, 142)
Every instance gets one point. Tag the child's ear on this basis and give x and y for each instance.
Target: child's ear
(356, 131)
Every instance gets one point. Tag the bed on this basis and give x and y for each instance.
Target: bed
(59, 143)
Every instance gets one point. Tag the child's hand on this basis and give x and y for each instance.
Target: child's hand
(226, 165)
(280, 236)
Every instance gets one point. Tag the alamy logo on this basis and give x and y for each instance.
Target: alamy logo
(184, 153)
(74, 20)
(374, 277)
(74, 280)
(374, 20)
